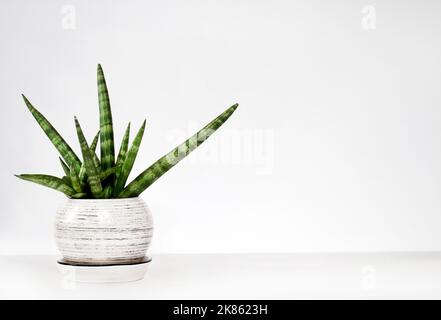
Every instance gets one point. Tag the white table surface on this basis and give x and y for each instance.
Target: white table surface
(239, 276)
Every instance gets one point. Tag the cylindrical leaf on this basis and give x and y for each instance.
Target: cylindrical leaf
(48, 181)
(156, 170)
(65, 167)
(76, 185)
(57, 140)
(82, 175)
(129, 161)
(124, 146)
(92, 174)
(106, 128)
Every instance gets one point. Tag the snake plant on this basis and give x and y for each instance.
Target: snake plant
(105, 176)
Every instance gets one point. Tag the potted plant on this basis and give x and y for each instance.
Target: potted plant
(104, 221)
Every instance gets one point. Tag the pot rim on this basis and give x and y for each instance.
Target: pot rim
(105, 200)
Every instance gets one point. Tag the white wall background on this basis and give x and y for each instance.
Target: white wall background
(336, 145)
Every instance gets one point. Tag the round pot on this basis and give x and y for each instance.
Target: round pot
(103, 231)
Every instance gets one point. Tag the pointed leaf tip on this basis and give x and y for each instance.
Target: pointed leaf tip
(57, 140)
(26, 101)
(165, 163)
(91, 170)
(106, 123)
(129, 160)
(49, 181)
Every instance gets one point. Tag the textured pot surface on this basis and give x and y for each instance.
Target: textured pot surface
(103, 231)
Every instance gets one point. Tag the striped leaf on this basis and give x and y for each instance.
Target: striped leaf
(104, 175)
(95, 141)
(92, 173)
(129, 161)
(124, 146)
(57, 140)
(156, 170)
(79, 195)
(48, 181)
(122, 151)
(82, 175)
(67, 180)
(96, 161)
(106, 127)
(75, 181)
(65, 167)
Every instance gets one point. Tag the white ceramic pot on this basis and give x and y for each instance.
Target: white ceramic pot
(103, 231)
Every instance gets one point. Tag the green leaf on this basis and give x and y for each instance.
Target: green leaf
(82, 175)
(48, 181)
(124, 146)
(67, 180)
(161, 166)
(96, 161)
(129, 161)
(95, 141)
(57, 140)
(104, 175)
(106, 127)
(79, 195)
(75, 181)
(92, 173)
(122, 151)
(65, 167)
